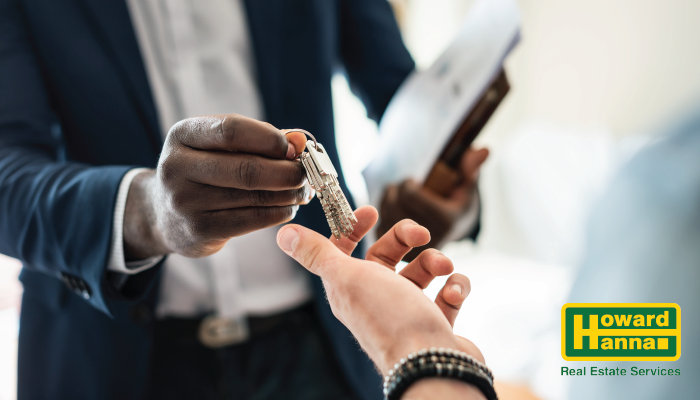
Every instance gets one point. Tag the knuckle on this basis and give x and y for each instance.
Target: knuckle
(230, 128)
(176, 131)
(300, 196)
(184, 132)
(168, 170)
(263, 197)
(400, 234)
(310, 257)
(249, 173)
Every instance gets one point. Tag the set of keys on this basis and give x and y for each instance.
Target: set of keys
(323, 178)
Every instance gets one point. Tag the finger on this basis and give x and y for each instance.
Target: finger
(452, 295)
(297, 139)
(221, 225)
(212, 198)
(310, 249)
(232, 133)
(471, 162)
(470, 167)
(241, 171)
(424, 268)
(366, 219)
(396, 243)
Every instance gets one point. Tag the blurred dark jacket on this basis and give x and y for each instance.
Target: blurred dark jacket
(76, 113)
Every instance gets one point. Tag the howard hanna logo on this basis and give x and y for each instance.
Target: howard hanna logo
(621, 332)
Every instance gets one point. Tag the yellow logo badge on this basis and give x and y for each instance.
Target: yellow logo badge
(621, 332)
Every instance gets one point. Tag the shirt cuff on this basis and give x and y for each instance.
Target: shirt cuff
(467, 222)
(117, 261)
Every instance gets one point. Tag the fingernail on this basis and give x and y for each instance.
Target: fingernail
(291, 152)
(288, 240)
(457, 288)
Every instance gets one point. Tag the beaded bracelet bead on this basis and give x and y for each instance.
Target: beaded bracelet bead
(438, 362)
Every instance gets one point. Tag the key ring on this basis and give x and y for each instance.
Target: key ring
(307, 133)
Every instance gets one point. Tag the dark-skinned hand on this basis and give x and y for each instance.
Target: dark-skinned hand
(439, 214)
(218, 177)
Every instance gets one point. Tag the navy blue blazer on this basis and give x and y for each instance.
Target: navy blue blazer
(76, 113)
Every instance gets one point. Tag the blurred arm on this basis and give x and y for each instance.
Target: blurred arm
(643, 245)
(377, 62)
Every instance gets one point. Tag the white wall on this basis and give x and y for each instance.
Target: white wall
(584, 70)
(625, 64)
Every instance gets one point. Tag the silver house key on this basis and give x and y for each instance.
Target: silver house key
(323, 178)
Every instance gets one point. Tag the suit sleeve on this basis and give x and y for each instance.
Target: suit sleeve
(372, 52)
(55, 215)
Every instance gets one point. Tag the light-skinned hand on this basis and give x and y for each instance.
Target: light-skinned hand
(387, 312)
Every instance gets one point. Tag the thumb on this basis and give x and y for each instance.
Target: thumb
(471, 162)
(313, 251)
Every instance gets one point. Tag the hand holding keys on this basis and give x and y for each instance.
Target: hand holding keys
(323, 178)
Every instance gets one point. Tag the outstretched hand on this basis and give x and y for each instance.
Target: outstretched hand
(387, 312)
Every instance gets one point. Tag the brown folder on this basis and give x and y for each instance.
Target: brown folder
(445, 175)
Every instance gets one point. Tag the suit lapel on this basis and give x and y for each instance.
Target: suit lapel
(112, 24)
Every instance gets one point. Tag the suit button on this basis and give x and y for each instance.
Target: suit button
(76, 285)
(141, 314)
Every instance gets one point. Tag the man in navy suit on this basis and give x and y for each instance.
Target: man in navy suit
(96, 190)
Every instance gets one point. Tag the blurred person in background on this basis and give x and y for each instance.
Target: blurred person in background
(644, 247)
(115, 304)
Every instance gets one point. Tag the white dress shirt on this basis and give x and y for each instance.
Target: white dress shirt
(199, 61)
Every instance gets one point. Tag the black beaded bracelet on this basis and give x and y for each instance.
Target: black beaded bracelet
(438, 362)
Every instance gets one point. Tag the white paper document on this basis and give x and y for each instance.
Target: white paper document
(430, 105)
